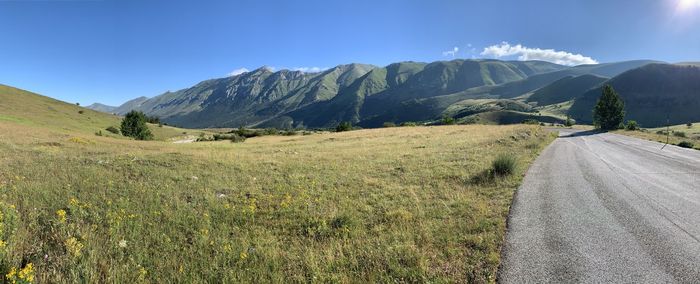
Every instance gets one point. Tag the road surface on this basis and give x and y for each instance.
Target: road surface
(606, 208)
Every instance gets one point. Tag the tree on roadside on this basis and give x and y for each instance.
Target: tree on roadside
(609, 112)
(134, 125)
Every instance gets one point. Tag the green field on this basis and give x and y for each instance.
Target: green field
(410, 204)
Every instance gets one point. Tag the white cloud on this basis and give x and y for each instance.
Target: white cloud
(526, 53)
(452, 53)
(309, 69)
(238, 71)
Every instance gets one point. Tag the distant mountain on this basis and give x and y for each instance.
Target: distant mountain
(101, 107)
(365, 95)
(433, 107)
(651, 94)
(130, 105)
(565, 89)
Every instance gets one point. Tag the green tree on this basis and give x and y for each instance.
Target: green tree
(609, 112)
(448, 120)
(343, 126)
(632, 125)
(134, 125)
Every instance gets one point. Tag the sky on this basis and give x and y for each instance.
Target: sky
(110, 51)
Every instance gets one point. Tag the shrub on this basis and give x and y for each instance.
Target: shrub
(661, 132)
(447, 120)
(389, 124)
(247, 133)
(229, 136)
(470, 120)
(679, 134)
(81, 111)
(153, 119)
(504, 165)
(271, 131)
(113, 129)
(99, 133)
(134, 125)
(343, 126)
(632, 125)
(531, 121)
(569, 122)
(689, 124)
(409, 124)
(686, 144)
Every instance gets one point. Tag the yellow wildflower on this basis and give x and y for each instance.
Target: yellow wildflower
(61, 215)
(252, 205)
(73, 246)
(27, 273)
(11, 275)
(74, 202)
(243, 255)
(142, 273)
(2, 244)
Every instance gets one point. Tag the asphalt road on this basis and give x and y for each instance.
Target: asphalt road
(606, 208)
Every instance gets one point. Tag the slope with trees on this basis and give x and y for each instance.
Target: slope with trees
(653, 94)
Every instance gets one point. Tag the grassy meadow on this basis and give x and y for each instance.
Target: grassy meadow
(678, 134)
(410, 204)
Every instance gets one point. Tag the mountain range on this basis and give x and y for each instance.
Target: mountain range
(370, 96)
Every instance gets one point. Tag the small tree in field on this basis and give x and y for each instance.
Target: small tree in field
(632, 125)
(134, 125)
(690, 125)
(568, 122)
(609, 112)
(343, 126)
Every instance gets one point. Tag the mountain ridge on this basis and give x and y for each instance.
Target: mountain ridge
(369, 95)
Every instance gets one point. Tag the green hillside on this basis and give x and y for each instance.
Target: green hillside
(565, 89)
(33, 110)
(652, 94)
(509, 117)
(431, 108)
(470, 107)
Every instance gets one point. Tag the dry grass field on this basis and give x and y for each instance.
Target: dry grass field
(410, 204)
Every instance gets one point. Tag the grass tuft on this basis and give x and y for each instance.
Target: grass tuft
(504, 165)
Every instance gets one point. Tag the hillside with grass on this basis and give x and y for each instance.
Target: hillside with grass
(565, 89)
(652, 94)
(413, 204)
(47, 114)
(430, 108)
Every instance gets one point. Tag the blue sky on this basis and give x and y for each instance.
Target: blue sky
(110, 51)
